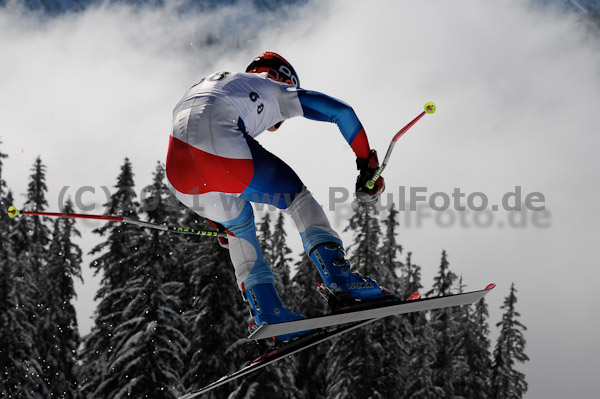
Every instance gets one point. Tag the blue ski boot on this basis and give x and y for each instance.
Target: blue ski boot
(342, 286)
(266, 308)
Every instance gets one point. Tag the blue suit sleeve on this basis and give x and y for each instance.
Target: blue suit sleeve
(320, 107)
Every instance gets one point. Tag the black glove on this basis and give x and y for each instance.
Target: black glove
(367, 168)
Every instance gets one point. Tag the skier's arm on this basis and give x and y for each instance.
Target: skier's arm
(320, 107)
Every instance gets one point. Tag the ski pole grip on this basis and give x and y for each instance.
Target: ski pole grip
(371, 183)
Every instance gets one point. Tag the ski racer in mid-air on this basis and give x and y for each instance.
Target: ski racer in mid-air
(216, 167)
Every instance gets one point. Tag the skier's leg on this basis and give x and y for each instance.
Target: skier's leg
(279, 185)
(253, 275)
(208, 167)
(326, 250)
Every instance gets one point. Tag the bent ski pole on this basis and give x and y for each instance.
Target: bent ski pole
(429, 109)
(14, 212)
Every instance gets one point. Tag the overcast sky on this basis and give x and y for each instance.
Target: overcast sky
(516, 89)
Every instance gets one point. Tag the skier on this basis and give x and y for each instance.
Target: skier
(216, 167)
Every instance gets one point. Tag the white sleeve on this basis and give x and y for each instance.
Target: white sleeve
(287, 97)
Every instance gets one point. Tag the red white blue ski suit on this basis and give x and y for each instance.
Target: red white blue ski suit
(216, 167)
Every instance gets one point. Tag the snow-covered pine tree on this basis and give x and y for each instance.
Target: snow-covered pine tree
(397, 355)
(116, 262)
(59, 332)
(31, 235)
(450, 365)
(270, 382)
(31, 243)
(216, 319)
(160, 204)
(215, 314)
(149, 345)
(420, 380)
(421, 345)
(273, 382)
(475, 350)
(20, 370)
(506, 381)
(412, 276)
(265, 237)
(310, 364)
(390, 252)
(280, 257)
(356, 359)
(36, 201)
(187, 250)
(444, 280)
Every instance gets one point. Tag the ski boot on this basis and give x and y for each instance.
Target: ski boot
(266, 308)
(342, 287)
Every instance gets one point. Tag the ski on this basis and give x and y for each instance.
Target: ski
(377, 309)
(384, 307)
(304, 342)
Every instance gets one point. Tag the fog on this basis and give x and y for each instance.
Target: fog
(515, 86)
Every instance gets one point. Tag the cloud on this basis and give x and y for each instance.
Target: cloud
(516, 88)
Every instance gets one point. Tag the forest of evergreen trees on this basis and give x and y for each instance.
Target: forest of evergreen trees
(170, 318)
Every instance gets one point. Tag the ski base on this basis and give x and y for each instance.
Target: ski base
(377, 310)
(288, 349)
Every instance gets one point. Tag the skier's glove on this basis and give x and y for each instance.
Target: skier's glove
(223, 241)
(367, 168)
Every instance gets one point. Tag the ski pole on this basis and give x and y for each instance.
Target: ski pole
(429, 109)
(14, 212)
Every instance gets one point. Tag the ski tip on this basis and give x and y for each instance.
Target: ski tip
(13, 212)
(490, 286)
(413, 296)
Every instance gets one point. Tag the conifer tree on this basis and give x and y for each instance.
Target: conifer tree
(390, 252)
(420, 379)
(20, 371)
(210, 302)
(450, 365)
(444, 280)
(476, 351)
(116, 262)
(3, 187)
(273, 382)
(215, 313)
(149, 346)
(421, 345)
(59, 332)
(36, 201)
(31, 236)
(310, 364)
(265, 238)
(216, 318)
(160, 204)
(397, 330)
(365, 248)
(280, 257)
(356, 359)
(506, 381)
(412, 276)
